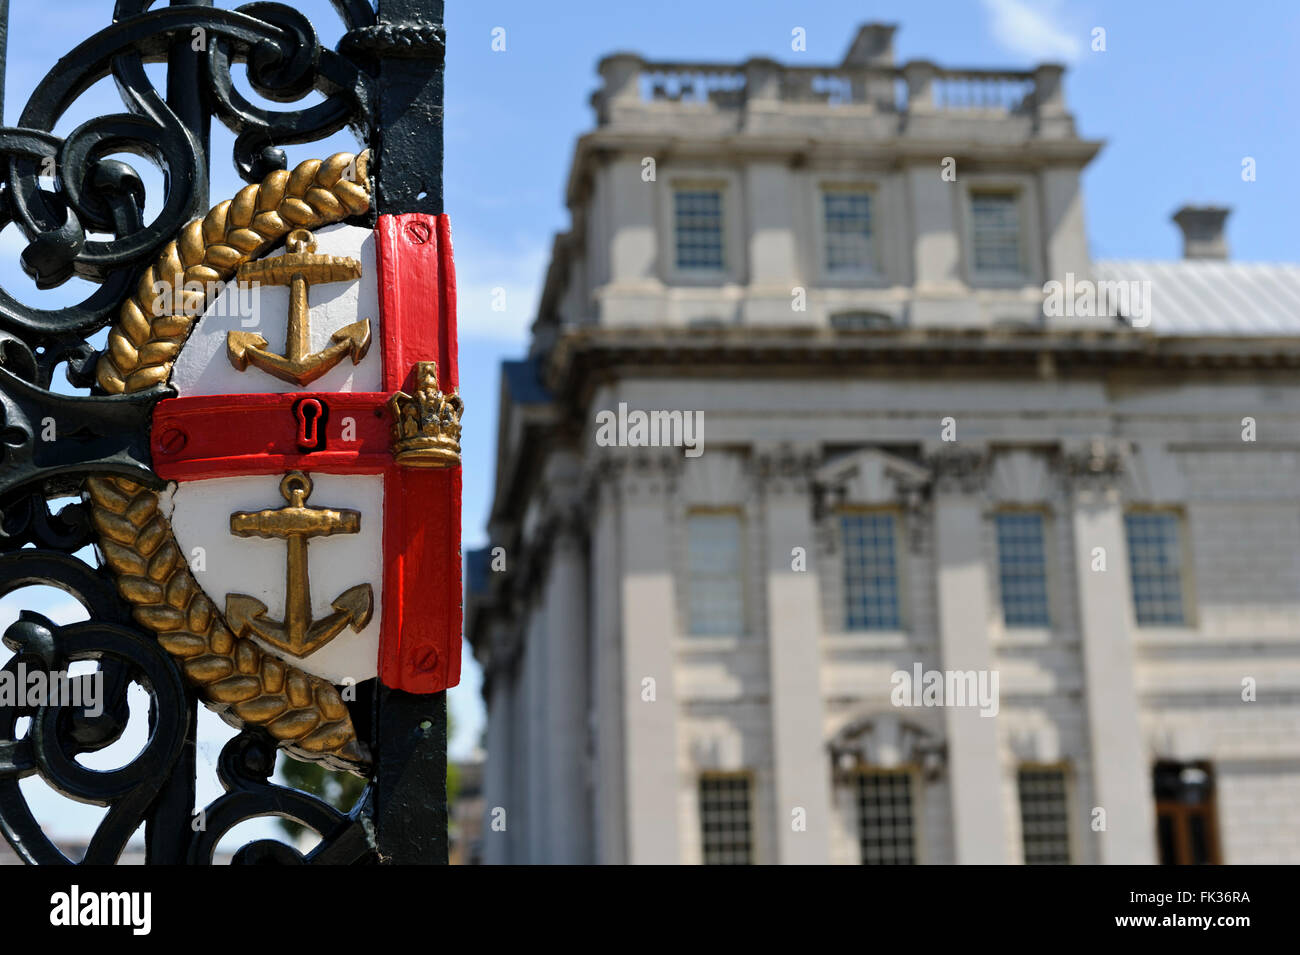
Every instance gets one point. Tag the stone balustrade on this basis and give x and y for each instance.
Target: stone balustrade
(638, 92)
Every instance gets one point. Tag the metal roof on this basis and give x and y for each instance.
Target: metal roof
(524, 382)
(477, 564)
(1206, 297)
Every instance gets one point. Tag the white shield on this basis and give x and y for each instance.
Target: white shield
(225, 563)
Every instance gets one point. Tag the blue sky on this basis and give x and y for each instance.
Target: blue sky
(1182, 93)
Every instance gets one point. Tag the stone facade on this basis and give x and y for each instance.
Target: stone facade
(917, 387)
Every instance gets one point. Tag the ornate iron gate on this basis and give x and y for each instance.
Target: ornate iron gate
(384, 81)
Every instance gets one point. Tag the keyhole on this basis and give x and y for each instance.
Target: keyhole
(310, 413)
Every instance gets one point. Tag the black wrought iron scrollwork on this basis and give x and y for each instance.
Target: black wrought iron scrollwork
(245, 768)
(81, 211)
(285, 63)
(59, 732)
(27, 518)
(284, 77)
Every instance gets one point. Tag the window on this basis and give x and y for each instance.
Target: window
(697, 216)
(1044, 816)
(1186, 829)
(870, 572)
(1155, 560)
(725, 819)
(995, 232)
(1022, 570)
(885, 818)
(715, 585)
(847, 223)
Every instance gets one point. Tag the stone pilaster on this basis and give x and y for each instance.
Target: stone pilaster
(537, 845)
(648, 621)
(1120, 769)
(975, 765)
(501, 748)
(563, 531)
(802, 768)
(517, 812)
(606, 716)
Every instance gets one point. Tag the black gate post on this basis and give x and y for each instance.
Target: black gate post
(410, 731)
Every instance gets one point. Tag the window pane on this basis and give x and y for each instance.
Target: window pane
(996, 232)
(885, 819)
(1155, 568)
(1044, 817)
(715, 588)
(724, 820)
(870, 572)
(1022, 570)
(847, 218)
(698, 224)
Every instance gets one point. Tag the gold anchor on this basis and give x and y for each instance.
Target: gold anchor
(298, 268)
(297, 634)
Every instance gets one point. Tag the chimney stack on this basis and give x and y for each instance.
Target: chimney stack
(1203, 231)
(873, 46)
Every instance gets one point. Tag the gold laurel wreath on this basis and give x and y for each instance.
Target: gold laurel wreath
(239, 680)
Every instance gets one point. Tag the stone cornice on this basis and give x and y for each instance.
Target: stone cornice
(579, 353)
(799, 146)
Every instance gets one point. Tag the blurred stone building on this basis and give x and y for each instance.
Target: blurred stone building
(467, 813)
(918, 455)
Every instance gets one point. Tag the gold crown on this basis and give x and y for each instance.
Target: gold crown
(426, 428)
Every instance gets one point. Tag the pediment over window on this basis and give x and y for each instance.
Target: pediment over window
(871, 476)
(885, 741)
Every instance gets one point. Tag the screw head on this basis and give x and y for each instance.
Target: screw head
(418, 232)
(172, 441)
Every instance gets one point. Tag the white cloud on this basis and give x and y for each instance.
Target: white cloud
(1036, 29)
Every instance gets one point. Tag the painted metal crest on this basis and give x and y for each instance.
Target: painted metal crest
(308, 537)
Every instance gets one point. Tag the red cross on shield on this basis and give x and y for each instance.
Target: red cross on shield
(229, 451)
